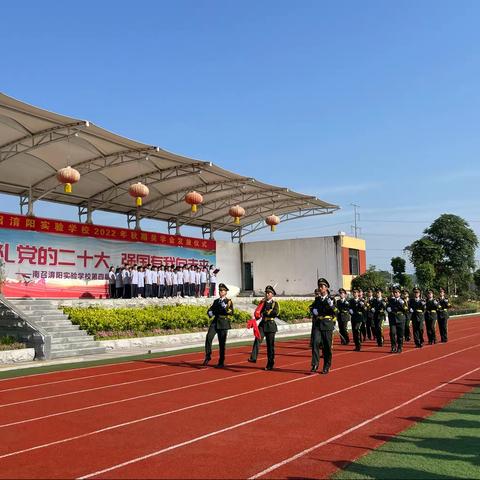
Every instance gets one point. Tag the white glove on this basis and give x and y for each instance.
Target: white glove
(210, 313)
(411, 310)
(389, 309)
(351, 312)
(315, 311)
(373, 310)
(361, 304)
(330, 302)
(400, 301)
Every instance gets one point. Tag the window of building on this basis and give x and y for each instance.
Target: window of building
(353, 261)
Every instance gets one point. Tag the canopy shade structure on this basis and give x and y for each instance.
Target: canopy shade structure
(36, 143)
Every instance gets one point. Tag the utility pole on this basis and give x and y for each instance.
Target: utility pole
(356, 216)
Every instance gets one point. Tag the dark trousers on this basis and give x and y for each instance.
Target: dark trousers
(357, 339)
(154, 290)
(161, 291)
(222, 340)
(378, 327)
(112, 291)
(342, 329)
(257, 342)
(186, 288)
(323, 338)
(134, 288)
(212, 289)
(397, 332)
(202, 289)
(407, 327)
(430, 323)
(370, 328)
(119, 292)
(147, 290)
(174, 290)
(127, 291)
(443, 327)
(417, 327)
(141, 291)
(363, 328)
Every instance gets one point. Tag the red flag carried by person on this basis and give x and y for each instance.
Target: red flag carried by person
(252, 323)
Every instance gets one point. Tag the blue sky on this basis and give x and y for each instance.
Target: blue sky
(369, 102)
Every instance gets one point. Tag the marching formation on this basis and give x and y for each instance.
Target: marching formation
(366, 314)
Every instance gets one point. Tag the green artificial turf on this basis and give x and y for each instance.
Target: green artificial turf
(445, 445)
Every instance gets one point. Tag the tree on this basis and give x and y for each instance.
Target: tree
(425, 273)
(399, 275)
(449, 245)
(370, 279)
(476, 278)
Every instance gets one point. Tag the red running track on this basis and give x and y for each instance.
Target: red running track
(171, 418)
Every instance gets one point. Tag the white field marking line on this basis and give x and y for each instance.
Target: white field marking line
(102, 387)
(256, 419)
(160, 392)
(356, 427)
(114, 427)
(113, 402)
(294, 340)
(36, 385)
(107, 364)
(2, 380)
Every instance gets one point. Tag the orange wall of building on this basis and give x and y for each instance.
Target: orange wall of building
(345, 265)
(362, 257)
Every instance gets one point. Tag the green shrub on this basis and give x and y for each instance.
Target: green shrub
(292, 310)
(10, 343)
(178, 317)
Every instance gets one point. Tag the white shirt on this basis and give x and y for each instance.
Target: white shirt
(141, 279)
(161, 277)
(197, 278)
(134, 277)
(148, 276)
(203, 277)
(179, 278)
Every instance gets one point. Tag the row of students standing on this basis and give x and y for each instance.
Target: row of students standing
(161, 282)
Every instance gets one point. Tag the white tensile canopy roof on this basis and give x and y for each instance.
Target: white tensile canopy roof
(35, 144)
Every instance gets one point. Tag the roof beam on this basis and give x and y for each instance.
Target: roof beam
(102, 162)
(38, 139)
(150, 178)
(285, 217)
(225, 201)
(267, 207)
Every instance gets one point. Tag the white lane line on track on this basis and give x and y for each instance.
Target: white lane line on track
(102, 387)
(261, 417)
(36, 385)
(113, 402)
(232, 427)
(356, 427)
(4, 380)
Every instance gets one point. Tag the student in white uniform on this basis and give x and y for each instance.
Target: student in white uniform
(197, 282)
(161, 282)
(180, 282)
(111, 282)
(141, 282)
(203, 281)
(154, 282)
(134, 282)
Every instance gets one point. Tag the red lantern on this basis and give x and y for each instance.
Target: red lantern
(236, 212)
(138, 191)
(273, 221)
(67, 176)
(193, 198)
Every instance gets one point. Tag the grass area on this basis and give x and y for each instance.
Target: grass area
(443, 446)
